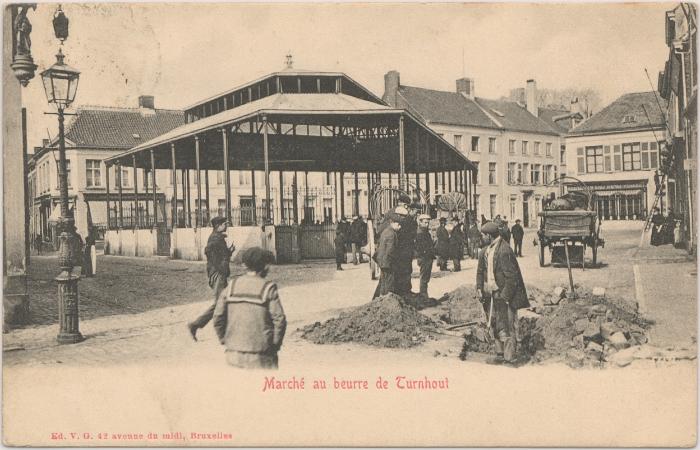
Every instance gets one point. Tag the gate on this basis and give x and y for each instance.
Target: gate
(316, 241)
(163, 240)
(284, 243)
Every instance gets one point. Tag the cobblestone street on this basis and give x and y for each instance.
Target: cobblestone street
(136, 309)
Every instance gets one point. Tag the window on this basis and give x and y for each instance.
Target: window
(513, 202)
(476, 203)
(537, 149)
(650, 156)
(125, 178)
(524, 148)
(511, 173)
(58, 181)
(458, 141)
(654, 154)
(631, 157)
(617, 157)
(519, 175)
(511, 146)
(548, 149)
(545, 174)
(93, 177)
(554, 172)
(221, 206)
(535, 174)
(476, 174)
(562, 155)
(475, 143)
(594, 159)
(525, 173)
(492, 205)
(492, 145)
(629, 119)
(492, 173)
(244, 178)
(220, 177)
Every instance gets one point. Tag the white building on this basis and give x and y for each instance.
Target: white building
(617, 152)
(517, 151)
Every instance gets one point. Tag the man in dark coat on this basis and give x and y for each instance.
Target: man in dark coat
(344, 228)
(657, 222)
(442, 244)
(358, 238)
(502, 290)
(518, 235)
(456, 246)
(218, 254)
(474, 236)
(339, 249)
(425, 252)
(406, 236)
(386, 257)
(248, 318)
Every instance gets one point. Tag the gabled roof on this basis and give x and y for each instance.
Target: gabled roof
(549, 114)
(453, 108)
(627, 113)
(120, 128)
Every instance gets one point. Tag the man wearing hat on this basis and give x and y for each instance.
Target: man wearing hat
(406, 246)
(518, 233)
(425, 252)
(249, 319)
(358, 238)
(218, 254)
(442, 245)
(344, 228)
(502, 291)
(386, 255)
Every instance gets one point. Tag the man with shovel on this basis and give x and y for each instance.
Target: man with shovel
(501, 289)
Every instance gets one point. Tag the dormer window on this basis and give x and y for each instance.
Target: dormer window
(630, 118)
(136, 136)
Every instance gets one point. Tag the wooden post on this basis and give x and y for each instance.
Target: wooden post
(198, 222)
(186, 177)
(119, 187)
(427, 186)
(282, 219)
(306, 193)
(370, 192)
(145, 182)
(153, 179)
(295, 202)
(135, 223)
(335, 195)
(356, 197)
(267, 170)
(227, 174)
(108, 196)
(174, 176)
(342, 194)
(255, 202)
(402, 156)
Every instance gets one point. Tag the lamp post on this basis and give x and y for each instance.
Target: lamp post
(61, 84)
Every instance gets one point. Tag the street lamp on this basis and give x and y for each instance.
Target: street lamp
(61, 84)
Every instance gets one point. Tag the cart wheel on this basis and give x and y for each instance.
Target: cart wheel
(541, 253)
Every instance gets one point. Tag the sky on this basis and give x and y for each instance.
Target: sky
(183, 53)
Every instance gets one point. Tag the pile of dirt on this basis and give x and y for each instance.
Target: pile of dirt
(586, 331)
(387, 321)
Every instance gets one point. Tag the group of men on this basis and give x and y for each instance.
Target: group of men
(353, 234)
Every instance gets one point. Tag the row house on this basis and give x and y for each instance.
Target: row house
(516, 145)
(616, 153)
(678, 86)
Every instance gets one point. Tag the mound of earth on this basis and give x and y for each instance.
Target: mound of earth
(587, 331)
(387, 321)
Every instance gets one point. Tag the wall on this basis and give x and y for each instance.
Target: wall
(15, 298)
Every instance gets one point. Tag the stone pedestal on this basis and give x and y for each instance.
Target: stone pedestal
(68, 318)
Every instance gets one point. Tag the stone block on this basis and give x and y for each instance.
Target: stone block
(559, 292)
(619, 341)
(607, 329)
(594, 349)
(592, 333)
(580, 325)
(575, 358)
(599, 309)
(578, 341)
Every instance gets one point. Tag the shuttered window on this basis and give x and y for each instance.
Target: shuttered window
(653, 155)
(617, 158)
(607, 161)
(580, 160)
(645, 155)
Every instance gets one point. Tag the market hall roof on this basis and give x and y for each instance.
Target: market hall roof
(627, 113)
(303, 111)
(454, 108)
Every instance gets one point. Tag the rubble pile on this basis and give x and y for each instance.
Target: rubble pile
(387, 321)
(587, 331)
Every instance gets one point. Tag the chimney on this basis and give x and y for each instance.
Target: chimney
(392, 81)
(531, 97)
(465, 86)
(147, 101)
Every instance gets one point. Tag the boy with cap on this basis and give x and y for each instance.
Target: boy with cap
(518, 233)
(386, 255)
(249, 319)
(501, 289)
(425, 252)
(218, 254)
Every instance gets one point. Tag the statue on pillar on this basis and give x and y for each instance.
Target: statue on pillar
(22, 61)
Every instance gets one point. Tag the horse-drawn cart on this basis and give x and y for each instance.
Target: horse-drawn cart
(569, 231)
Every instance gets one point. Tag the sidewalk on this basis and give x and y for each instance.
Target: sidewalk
(666, 291)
